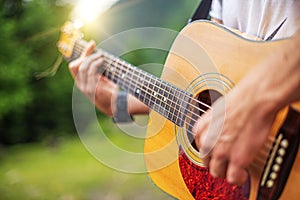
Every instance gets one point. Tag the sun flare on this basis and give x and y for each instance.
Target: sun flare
(88, 10)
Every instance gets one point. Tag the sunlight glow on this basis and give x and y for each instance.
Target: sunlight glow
(88, 10)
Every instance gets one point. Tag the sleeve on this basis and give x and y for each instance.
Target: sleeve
(216, 9)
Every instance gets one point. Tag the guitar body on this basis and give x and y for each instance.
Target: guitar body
(207, 57)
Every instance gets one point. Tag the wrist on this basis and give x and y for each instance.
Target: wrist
(120, 113)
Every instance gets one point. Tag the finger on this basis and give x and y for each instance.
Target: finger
(82, 75)
(75, 64)
(218, 167)
(94, 76)
(219, 161)
(206, 160)
(236, 174)
(200, 127)
(89, 48)
(73, 67)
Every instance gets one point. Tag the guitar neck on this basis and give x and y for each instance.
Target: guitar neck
(163, 97)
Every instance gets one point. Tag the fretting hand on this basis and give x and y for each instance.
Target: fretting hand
(101, 91)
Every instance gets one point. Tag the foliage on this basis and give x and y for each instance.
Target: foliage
(27, 105)
(32, 109)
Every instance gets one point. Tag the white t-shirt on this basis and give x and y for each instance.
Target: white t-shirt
(259, 17)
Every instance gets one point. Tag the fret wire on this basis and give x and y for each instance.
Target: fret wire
(130, 82)
(112, 70)
(126, 74)
(135, 75)
(187, 117)
(161, 91)
(168, 97)
(115, 70)
(123, 71)
(111, 56)
(111, 73)
(175, 116)
(137, 90)
(189, 124)
(138, 87)
(173, 88)
(174, 104)
(155, 90)
(110, 63)
(162, 96)
(147, 88)
(142, 81)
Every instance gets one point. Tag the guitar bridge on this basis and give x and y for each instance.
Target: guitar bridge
(281, 158)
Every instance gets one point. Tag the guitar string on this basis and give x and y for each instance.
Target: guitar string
(170, 113)
(257, 159)
(81, 47)
(156, 98)
(261, 158)
(187, 130)
(125, 64)
(113, 75)
(113, 60)
(153, 90)
(116, 60)
(173, 115)
(263, 154)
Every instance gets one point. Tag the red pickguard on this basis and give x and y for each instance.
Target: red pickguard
(203, 186)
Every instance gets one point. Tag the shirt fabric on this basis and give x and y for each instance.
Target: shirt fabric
(259, 17)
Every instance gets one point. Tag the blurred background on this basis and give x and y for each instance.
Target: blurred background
(41, 155)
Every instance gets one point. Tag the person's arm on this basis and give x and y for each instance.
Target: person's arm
(100, 90)
(232, 132)
(136, 107)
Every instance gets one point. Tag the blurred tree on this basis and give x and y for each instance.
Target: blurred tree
(12, 8)
(30, 108)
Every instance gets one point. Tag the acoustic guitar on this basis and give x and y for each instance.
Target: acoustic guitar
(205, 61)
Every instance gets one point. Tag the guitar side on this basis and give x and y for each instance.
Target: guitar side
(204, 48)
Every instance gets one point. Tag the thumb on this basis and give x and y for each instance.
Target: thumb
(89, 48)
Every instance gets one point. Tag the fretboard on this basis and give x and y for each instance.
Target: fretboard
(163, 97)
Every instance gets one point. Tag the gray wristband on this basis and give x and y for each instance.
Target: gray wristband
(122, 115)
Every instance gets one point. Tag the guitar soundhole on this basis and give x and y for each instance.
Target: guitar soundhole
(197, 177)
(208, 97)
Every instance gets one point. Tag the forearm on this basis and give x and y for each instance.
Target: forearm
(276, 81)
(135, 106)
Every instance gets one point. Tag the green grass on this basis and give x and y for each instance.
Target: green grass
(67, 171)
